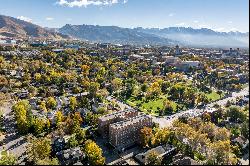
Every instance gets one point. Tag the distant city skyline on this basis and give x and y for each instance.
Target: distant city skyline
(219, 15)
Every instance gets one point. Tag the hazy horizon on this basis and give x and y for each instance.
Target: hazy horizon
(220, 16)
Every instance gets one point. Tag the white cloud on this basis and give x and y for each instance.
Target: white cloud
(171, 14)
(196, 21)
(234, 29)
(181, 24)
(49, 19)
(230, 22)
(24, 18)
(85, 3)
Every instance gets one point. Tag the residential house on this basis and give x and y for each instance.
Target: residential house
(163, 152)
(180, 159)
(70, 156)
(242, 142)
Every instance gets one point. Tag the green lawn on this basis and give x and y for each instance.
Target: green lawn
(150, 107)
(213, 96)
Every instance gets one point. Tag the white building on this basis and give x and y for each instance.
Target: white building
(191, 63)
(171, 59)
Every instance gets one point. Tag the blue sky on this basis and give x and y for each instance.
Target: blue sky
(220, 15)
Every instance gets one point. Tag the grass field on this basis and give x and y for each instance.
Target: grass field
(214, 96)
(153, 106)
(150, 107)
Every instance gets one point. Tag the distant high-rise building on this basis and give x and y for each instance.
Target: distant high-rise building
(177, 50)
(238, 51)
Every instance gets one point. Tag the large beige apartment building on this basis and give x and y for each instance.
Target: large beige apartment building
(126, 133)
(105, 121)
(122, 128)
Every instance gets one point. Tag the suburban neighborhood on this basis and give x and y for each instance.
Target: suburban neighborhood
(108, 104)
(124, 82)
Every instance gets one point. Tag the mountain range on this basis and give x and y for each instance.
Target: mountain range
(113, 34)
(16, 28)
(204, 37)
(201, 37)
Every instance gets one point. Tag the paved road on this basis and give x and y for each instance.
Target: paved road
(243, 92)
(167, 120)
(12, 141)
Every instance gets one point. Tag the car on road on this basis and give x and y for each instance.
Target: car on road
(201, 106)
(168, 118)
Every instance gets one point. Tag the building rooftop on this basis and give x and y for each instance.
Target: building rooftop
(130, 121)
(116, 114)
(186, 161)
(137, 56)
(160, 151)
